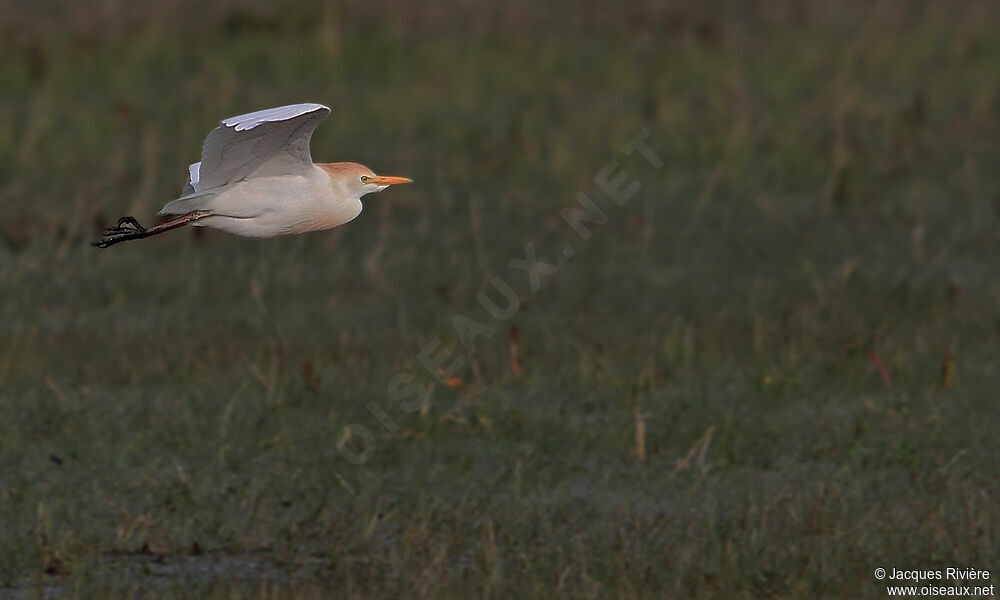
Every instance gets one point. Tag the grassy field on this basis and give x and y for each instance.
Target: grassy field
(771, 370)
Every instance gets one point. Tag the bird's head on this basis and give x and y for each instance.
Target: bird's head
(358, 180)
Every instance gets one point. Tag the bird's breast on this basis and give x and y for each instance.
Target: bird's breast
(321, 207)
(281, 205)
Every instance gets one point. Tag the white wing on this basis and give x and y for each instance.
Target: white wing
(194, 175)
(274, 141)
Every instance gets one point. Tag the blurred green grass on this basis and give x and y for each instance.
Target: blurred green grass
(829, 192)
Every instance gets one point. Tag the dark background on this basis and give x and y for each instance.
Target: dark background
(768, 373)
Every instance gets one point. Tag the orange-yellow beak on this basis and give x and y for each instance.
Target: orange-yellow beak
(387, 180)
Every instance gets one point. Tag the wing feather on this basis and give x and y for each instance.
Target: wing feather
(274, 141)
(193, 183)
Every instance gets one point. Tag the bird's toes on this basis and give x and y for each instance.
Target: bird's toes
(116, 232)
(126, 224)
(113, 235)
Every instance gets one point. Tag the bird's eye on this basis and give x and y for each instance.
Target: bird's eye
(364, 179)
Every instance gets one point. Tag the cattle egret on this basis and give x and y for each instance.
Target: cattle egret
(256, 179)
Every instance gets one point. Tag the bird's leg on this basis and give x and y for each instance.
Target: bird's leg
(130, 229)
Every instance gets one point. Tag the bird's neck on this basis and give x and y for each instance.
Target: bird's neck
(331, 203)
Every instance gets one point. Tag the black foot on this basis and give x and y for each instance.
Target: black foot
(126, 229)
(125, 225)
(108, 240)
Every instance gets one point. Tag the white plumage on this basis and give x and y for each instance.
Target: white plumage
(256, 178)
(224, 151)
(192, 185)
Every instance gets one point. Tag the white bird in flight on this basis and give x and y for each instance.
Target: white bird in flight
(256, 179)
